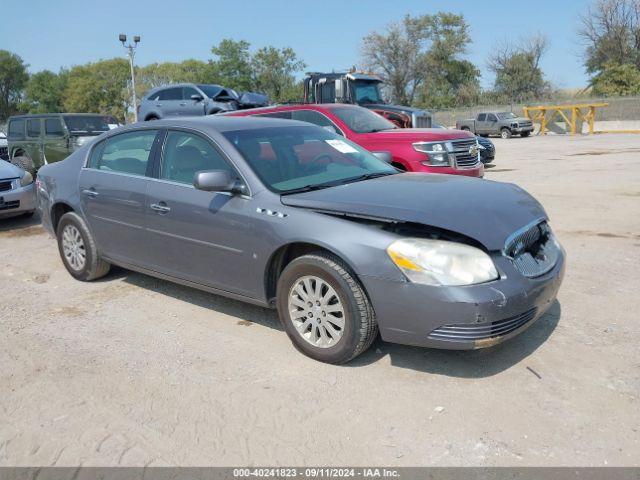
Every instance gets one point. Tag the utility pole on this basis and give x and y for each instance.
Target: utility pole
(131, 53)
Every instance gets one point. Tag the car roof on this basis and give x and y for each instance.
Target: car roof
(50, 115)
(293, 106)
(219, 123)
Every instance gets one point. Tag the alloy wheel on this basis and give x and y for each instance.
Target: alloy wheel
(316, 311)
(73, 247)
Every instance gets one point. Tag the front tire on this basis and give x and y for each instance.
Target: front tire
(78, 249)
(505, 133)
(324, 309)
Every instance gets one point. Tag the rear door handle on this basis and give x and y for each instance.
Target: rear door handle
(90, 193)
(160, 207)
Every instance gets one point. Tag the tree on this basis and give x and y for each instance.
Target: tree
(45, 92)
(232, 66)
(273, 73)
(517, 69)
(100, 87)
(611, 33)
(13, 78)
(617, 80)
(158, 74)
(420, 57)
(398, 57)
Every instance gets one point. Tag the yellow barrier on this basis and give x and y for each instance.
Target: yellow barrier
(570, 114)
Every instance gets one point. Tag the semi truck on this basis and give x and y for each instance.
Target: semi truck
(361, 89)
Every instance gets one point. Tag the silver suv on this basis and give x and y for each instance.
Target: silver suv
(190, 99)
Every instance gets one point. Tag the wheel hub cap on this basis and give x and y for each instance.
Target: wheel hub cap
(316, 311)
(73, 248)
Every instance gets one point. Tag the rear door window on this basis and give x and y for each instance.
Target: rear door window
(482, 117)
(491, 118)
(171, 94)
(124, 153)
(33, 128)
(16, 129)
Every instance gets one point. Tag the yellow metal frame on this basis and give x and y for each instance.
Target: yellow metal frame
(570, 114)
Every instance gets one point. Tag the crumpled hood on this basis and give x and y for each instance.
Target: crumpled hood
(484, 210)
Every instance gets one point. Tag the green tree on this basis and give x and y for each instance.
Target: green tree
(158, 74)
(274, 73)
(232, 66)
(517, 69)
(611, 32)
(617, 80)
(13, 78)
(100, 87)
(45, 91)
(421, 58)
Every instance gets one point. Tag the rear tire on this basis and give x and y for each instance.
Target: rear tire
(78, 249)
(505, 133)
(465, 129)
(307, 287)
(24, 163)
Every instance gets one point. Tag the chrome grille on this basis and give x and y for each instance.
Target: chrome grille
(464, 159)
(5, 185)
(533, 250)
(466, 332)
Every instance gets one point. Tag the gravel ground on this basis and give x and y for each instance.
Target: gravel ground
(131, 370)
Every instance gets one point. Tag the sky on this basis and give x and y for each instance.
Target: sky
(326, 34)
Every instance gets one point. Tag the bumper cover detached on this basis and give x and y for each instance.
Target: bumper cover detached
(463, 318)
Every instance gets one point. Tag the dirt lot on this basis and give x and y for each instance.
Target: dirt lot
(134, 371)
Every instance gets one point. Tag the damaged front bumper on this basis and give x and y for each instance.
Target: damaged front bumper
(465, 317)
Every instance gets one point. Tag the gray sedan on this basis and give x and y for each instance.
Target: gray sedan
(17, 191)
(287, 215)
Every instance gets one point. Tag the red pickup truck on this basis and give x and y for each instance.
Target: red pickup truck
(412, 149)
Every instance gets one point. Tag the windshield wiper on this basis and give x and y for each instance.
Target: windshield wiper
(366, 176)
(311, 187)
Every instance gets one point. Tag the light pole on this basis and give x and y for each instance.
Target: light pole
(131, 53)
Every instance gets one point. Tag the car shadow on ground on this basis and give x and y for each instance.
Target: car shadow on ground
(246, 313)
(454, 363)
(467, 363)
(18, 222)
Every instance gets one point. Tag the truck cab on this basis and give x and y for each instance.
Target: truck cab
(364, 90)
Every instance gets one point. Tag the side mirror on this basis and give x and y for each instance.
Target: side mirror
(217, 181)
(196, 97)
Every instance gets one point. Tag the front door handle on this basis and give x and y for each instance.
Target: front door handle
(160, 207)
(90, 193)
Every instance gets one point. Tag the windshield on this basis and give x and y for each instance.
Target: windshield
(362, 120)
(506, 115)
(289, 159)
(366, 92)
(90, 124)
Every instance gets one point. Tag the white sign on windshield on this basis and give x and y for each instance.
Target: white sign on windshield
(341, 146)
